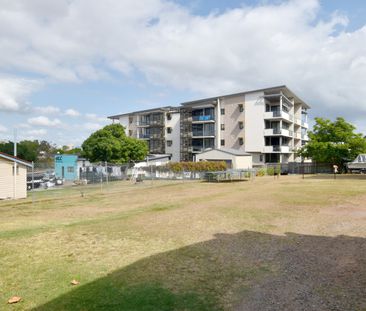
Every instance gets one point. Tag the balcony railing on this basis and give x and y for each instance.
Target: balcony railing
(203, 118)
(203, 133)
(276, 148)
(278, 114)
(150, 136)
(304, 124)
(278, 131)
(150, 122)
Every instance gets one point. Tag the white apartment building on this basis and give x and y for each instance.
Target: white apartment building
(159, 127)
(270, 124)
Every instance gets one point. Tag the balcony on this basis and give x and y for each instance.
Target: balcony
(150, 123)
(297, 135)
(144, 136)
(197, 134)
(280, 114)
(304, 124)
(297, 121)
(277, 132)
(305, 137)
(276, 148)
(205, 118)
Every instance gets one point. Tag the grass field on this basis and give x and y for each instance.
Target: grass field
(268, 244)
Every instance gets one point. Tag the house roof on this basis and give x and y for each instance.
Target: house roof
(228, 151)
(279, 88)
(15, 159)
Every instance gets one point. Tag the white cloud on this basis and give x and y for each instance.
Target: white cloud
(39, 132)
(3, 129)
(95, 118)
(48, 110)
(240, 49)
(44, 121)
(72, 113)
(14, 93)
(92, 126)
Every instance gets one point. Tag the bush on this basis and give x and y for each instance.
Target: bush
(270, 171)
(202, 166)
(261, 172)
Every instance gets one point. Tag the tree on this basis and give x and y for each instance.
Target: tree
(333, 142)
(112, 145)
(26, 149)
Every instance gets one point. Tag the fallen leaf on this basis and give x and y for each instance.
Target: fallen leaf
(74, 282)
(14, 299)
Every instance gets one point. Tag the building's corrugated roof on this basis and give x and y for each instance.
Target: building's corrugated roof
(200, 101)
(158, 109)
(280, 87)
(15, 159)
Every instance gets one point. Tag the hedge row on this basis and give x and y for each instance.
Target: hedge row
(269, 171)
(202, 166)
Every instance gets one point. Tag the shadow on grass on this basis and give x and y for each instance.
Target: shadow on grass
(243, 271)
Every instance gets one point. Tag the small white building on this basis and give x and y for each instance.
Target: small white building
(13, 177)
(234, 159)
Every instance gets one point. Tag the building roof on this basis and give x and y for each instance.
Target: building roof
(279, 88)
(15, 159)
(229, 151)
(158, 109)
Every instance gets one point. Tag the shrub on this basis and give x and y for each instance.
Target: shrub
(202, 166)
(261, 172)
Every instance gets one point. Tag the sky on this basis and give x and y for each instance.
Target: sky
(65, 65)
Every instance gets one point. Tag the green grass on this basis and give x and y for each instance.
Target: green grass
(160, 246)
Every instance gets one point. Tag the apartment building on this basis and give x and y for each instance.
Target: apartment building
(270, 124)
(159, 127)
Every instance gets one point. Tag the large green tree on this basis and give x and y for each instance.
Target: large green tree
(112, 145)
(26, 149)
(333, 142)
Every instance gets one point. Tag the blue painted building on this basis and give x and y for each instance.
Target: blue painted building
(66, 166)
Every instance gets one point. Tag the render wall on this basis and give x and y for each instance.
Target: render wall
(231, 119)
(254, 124)
(174, 136)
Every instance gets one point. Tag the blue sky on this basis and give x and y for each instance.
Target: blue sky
(66, 65)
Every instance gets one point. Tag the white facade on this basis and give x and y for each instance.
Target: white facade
(270, 124)
(172, 135)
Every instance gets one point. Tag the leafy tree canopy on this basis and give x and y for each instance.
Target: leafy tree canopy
(112, 145)
(333, 142)
(26, 149)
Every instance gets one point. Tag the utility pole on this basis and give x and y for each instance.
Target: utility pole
(15, 166)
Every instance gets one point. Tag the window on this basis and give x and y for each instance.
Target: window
(241, 107)
(222, 142)
(222, 111)
(130, 119)
(261, 158)
(169, 143)
(241, 141)
(70, 169)
(241, 125)
(168, 116)
(222, 127)
(169, 130)
(129, 133)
